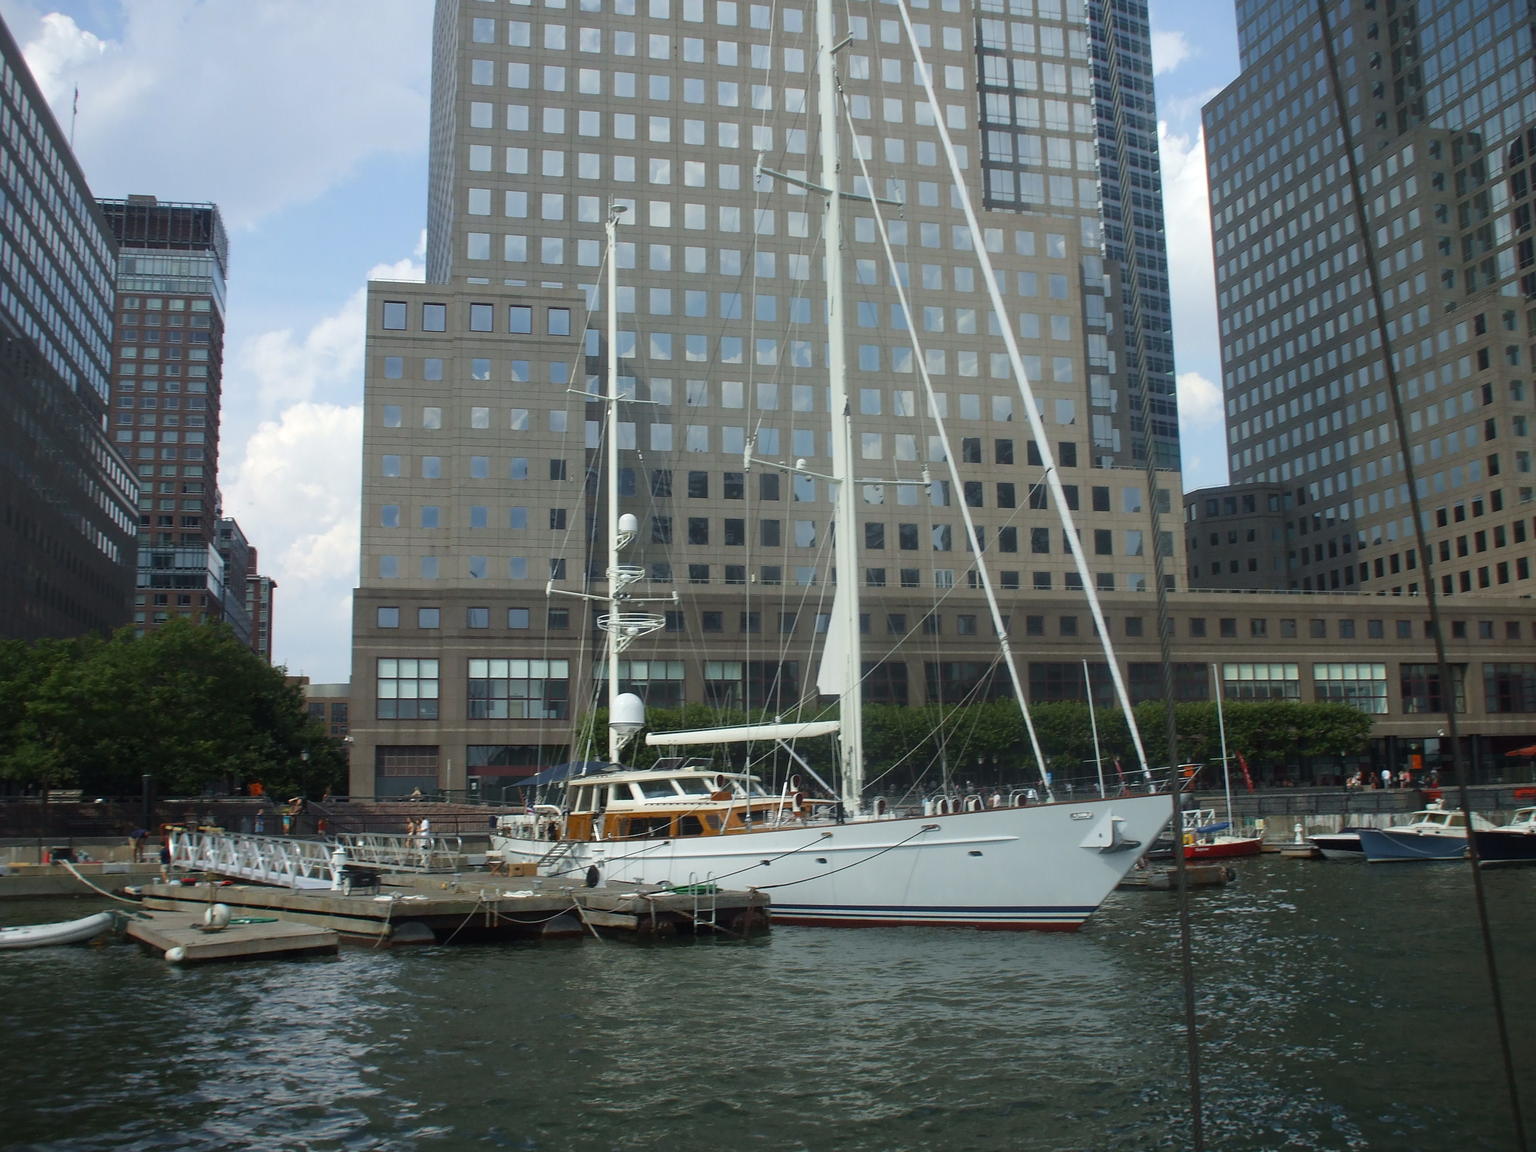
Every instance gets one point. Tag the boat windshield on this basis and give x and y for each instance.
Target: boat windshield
(694, 786)
(658, 789)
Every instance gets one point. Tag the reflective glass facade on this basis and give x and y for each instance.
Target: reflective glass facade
(479, 454)
(67, 518)
(1439, 101)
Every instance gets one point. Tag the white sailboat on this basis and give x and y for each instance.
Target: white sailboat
(1036, 866)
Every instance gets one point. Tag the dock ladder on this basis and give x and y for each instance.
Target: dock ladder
(560, 851)
(706, 901)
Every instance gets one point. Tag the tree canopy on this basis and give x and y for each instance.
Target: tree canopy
(924, 748)
(188, 704)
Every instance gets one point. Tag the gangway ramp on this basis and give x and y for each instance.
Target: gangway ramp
(279, 860)
(288, 862)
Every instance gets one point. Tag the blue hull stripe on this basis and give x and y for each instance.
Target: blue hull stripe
(908, 912)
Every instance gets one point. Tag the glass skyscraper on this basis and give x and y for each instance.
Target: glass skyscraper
(482, 452)
(67, 518)
(1322, 320)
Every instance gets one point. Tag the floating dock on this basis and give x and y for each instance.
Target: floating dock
(477, 906)
(183, 939)
(1299, 851)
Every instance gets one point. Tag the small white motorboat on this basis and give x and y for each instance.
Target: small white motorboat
(63, 932)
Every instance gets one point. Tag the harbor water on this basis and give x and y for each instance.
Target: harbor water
(1342, 1006)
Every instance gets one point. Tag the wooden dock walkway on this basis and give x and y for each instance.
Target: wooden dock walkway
(182, 939)
(478, 906)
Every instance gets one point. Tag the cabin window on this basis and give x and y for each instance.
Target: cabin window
(657, 789)
(689, 826)
(639, 827)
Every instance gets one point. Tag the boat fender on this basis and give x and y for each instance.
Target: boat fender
(594, 876)
(175, 955)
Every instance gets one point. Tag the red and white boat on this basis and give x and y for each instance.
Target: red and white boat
(1206, 838)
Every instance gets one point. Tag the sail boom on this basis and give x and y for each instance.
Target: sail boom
(741, 733)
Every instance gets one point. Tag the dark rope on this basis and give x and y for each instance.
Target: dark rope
(845, 867)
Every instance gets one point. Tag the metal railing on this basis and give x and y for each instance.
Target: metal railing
(409, 853)
(277, 860)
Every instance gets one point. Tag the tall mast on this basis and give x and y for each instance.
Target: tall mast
(1221, 726)
(611, 424)
(845, 600)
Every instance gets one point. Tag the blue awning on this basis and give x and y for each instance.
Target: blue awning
(562, 772)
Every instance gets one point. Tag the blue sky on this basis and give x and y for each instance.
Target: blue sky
(317, 159)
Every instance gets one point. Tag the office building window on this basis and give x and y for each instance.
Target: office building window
(1362, 686)
(519, 689)
(407, 689)
(1261, 681)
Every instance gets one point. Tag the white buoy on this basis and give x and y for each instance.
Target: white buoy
(175, 955)
(339, 870)
(216, 919)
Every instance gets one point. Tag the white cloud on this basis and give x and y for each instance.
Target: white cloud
(279, 368)
(295, 492)
(1169, 50)
(1200, 402)
(252, 105)
(1191, 277)
(293, 482)
(1202, 431)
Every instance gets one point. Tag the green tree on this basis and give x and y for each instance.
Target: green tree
(187, 704)
(35, 721)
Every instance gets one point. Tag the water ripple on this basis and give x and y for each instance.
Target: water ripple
(1340, 1008)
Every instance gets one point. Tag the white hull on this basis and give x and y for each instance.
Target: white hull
(1046, 866)
(64, 932)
